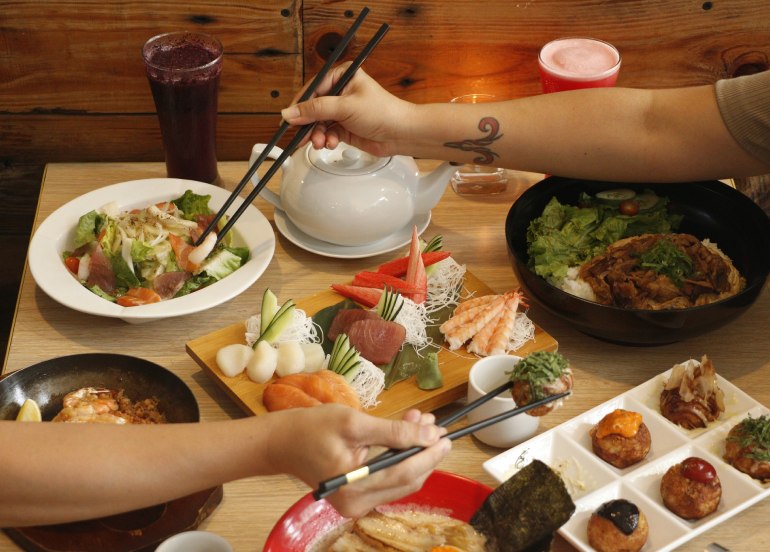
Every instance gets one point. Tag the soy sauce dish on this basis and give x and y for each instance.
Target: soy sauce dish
(709, 210)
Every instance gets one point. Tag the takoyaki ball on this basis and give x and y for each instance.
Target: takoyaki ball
(621, 438)
(538, 376)
(747, 447)
(691, 489)
(618, 526)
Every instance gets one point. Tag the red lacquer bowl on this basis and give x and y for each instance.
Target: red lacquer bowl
(303, 523)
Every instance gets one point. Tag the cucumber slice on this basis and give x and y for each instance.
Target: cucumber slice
(282, 319)
(435, 244)
(647, 200)
(615, 195)
(269, 308)
(389, 305)
(344, 359)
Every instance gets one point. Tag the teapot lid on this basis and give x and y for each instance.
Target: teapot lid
(345, 160)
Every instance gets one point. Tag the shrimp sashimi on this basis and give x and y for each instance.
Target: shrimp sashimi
(480, 341)
(474, 302)
(501, 337)
(459, 329)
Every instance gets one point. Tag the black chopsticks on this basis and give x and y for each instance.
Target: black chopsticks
(301, 133)
(387, 459)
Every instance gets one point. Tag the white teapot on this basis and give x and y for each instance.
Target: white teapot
(348, 197)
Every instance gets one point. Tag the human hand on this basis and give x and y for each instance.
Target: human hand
(365, 115)
(317, 443)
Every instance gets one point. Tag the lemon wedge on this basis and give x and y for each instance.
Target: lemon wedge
(29, 412)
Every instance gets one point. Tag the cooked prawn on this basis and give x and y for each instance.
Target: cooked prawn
(501, 337)
(90, 405)
(474, 302)
(459, 329)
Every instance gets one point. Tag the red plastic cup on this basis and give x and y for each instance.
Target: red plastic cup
(183, 70)
(578, 62)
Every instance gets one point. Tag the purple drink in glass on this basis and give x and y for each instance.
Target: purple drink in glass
(183, 70)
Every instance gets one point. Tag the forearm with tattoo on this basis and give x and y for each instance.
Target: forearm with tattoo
(486, 156)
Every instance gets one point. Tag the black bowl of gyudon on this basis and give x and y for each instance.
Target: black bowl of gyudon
(638, 312)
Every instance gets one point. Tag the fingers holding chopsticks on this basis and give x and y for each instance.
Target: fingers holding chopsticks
(403, 478)
(330, 439)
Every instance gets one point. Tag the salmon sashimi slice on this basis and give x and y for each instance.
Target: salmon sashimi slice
(309, 389)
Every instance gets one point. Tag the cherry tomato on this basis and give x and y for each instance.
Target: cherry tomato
(629, 207)
(698, 469)
(73, 264)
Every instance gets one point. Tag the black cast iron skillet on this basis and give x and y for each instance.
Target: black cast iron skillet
(47, 382)
(711, 210)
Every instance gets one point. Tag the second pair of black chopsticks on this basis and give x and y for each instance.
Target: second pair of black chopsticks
(301, 133)
(387, 459)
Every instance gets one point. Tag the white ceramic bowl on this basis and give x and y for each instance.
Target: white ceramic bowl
(56, 235)
(195, 541)
(485, 375)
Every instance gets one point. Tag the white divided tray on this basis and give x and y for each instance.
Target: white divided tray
(591, 481)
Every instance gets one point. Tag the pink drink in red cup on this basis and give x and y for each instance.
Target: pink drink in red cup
(578, 62)
(183, 69)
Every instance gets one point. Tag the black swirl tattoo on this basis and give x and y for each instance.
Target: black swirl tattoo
(491, 126)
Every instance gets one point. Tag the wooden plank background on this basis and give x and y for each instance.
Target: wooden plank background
(72, 85)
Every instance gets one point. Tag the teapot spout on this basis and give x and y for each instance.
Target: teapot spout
(268, 195)
(431, 187)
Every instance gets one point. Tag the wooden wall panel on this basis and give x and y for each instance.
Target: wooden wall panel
(72, 86)
(437, 50)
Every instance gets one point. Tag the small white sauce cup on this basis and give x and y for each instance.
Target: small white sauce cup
(485, 375)
(195, 541)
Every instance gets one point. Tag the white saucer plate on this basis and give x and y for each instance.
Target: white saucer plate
(326, 249)
(56, 235)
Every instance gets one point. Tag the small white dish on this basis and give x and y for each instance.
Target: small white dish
(195, 541)
(56, 235)
(486, 374)
(326, 249)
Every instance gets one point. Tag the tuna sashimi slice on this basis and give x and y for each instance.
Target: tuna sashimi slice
(377, 341)
(345, 317)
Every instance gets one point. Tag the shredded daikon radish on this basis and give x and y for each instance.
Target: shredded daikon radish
(414, 318)
(302, 329)
(523, 331)
(444, 285)
(368, 383)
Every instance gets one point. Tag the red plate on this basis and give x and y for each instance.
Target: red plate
(308, 519)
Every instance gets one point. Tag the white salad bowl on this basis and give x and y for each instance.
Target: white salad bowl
(56, 235)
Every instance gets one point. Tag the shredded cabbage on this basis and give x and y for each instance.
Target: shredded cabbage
(414, 318)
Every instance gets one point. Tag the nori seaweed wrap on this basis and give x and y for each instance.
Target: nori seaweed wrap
(524, 512)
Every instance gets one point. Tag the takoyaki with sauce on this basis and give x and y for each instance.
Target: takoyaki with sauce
(538, 376)
(621, 438)
(747, 447)
(618, 525)
(691, 489)
(691, 397)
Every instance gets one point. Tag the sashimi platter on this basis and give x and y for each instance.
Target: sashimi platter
(401, 335)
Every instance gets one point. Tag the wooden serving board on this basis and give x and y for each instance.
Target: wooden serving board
(400, 397)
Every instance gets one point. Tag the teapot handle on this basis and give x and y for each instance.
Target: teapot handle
(268, 195)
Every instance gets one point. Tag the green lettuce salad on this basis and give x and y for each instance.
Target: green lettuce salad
(566, 236)
(147, 255)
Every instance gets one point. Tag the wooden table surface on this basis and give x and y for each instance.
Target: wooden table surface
(473, 231)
